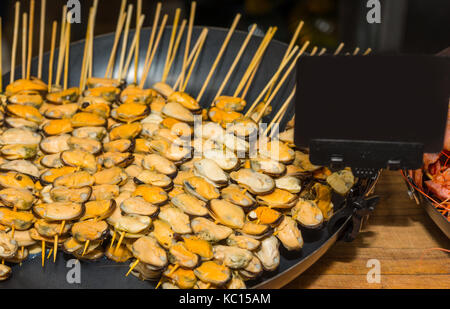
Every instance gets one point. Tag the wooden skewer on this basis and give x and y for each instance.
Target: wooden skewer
(194, 61)
(368, 51)
(355, 52)
(255, 60)
(125, 39)
(55, 248)
(154, 48)
(137, 36)
(339, 48)
(86, 50)
(43, 252)
(294, 39)
(14, 45)
(30, 38)
(236, 60)
(177, 44)
(63, 223)
(91, 37)
(188, 40)
(159, 283)
(66, 63)
(174, 268)
(86, 245)
(152, 35)
(1, 58)
(49, 253)
(113, 238)
(61, 46)
(280, 112)
(191, 56)
(132, 267)
(219, 56)
(275, 75)
(171, 42)
(313, 51)
(250, 80)
(281, 82)
(132, 50)
(122, 235)
(24, 45)
(41, 38)
(322, 51)
(121, 22)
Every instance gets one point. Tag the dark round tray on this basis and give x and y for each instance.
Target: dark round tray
(107, 274)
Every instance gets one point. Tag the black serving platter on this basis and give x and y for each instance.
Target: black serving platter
(107, 274)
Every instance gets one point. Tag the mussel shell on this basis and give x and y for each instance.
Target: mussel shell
(178, 111)
(89, 230)
(80, 159)
(138, 206)
(84, 144)
(148, 251)
(200, 188)
(232, 257)
(110, 176)
(8, 247)
(190, 204)
(75, 180)
(96, 133)
(179, 254)
(244, 242)
(59, 211)
(234, 194)
(22, 199)
(84, 119)
(19, 136)
(212, 272)
(21, 166)
(289, 234)
(153, 178)
(210, 170)
(152, 194)
(76, 195)
(176, 218)
(307, 214)
(207, 230)
(57, 127)
(268, 253)
(227, 213)
(64, 111)
(125, 131)
(160, 164)
(256, 183)
(55, 144)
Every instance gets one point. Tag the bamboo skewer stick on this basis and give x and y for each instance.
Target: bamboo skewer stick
(125, 39)
(250, 80)
(152, 35)
(91, 45)
(66, 64)
(86, 50)
(61, 46)
(219, 56)
(132, 50)
(368, 51)
(339, 48)
(236, 60)
(255, 60)
(188, 76)
(41, 38)
(138, 36)
(52, 52)
(190, 58)
(132, 267)
(281, 82)
(356, 51)
(275, 75)
(322, 51)
(171, 42)
(155, 47)
(109, 68)
(43, 252)
(313, 51)
(30, 38)
(177, 44)
(280, 112)
(294, 39)
(122, 235)
(24, 44)
(14, 45)
(188, 40)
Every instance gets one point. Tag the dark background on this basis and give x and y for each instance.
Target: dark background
(409, 26)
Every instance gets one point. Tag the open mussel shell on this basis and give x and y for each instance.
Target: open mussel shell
(256, 183)
(243, 128)
(104, 192)
(226, 159)
(153, 178)
(21, 166)
(179, 254)
(51, 174)
(199, 246)
(8, 246)
(119, 145)
(236, 195)
(200, 188)
(160, 164)
(277, 151)
(214, 273)
(229, 103)
(148, 251)
(179, 221)
(31, 98)
(75, 180)
(5, 272)
(190, 204)
(20, 123)
(110, 176)
(109, 93)
(152, 194)
(115, 159)
(89, 230)
(210, 170)
(268, 253)
(232, 257)
(289, 234)
(80, 159)
(23, 238)
(178, 111)
(182, 278)
(307, 214)
(19, 136)
(185, 100)
(268, 166)
(59, 211)
(255, 230)
(138, 206)
(122, 254)
(57, 127)
(65, 111)
(266, 215)
(97, 133)
(63, 96)
(244, 242)
(163, 233)
(50, 229)
(16, 180)
(55, 144)
(20, 220)
(129, 112)
(100, 209)
(85, 144)
(26, 112)
(252, 270)
(208, 230)
(289, 183)
(278, 199)
(227, 213)
(18, 152)
(341, 181)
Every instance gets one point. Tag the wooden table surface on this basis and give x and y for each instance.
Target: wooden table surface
(397, 234)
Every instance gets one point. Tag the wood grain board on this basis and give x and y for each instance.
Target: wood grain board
(397, 234)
